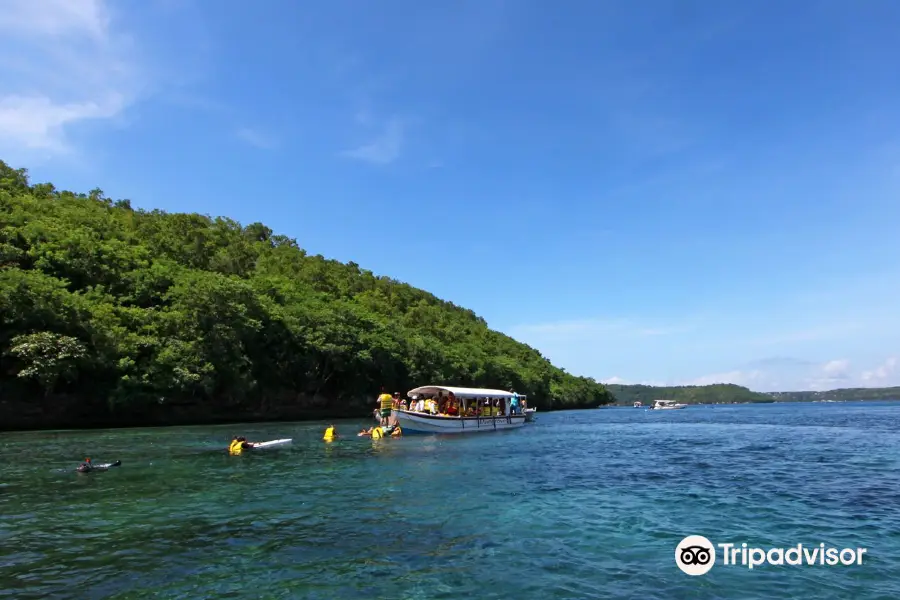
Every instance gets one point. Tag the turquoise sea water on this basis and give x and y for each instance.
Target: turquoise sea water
(585, 504)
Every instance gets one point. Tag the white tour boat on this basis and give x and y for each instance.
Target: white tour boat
(667, 405)
(498, 417)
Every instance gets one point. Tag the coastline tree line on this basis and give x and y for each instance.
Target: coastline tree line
(112, 315)
(728, 393)
(723, 393)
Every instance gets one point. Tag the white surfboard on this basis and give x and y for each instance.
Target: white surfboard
(272, 443)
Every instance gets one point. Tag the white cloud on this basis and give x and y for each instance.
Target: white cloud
(62, 63)
(256, 138)
(54, 17)
(885, 374)
(836, 367)
(385, 148)
(830, 375)
(794, 374)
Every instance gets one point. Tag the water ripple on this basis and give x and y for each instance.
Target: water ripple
(587, 504)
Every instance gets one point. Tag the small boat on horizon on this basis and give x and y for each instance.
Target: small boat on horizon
(666, 405)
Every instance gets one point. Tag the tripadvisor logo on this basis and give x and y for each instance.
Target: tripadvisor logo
(696, 555)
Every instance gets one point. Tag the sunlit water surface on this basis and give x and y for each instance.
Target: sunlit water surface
(585, 504)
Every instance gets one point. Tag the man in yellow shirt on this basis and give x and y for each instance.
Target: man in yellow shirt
(386, 402)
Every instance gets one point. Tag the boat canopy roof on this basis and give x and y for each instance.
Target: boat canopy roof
(459, 392)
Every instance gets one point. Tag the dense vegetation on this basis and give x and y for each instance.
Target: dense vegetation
(840, 395)
(730, 394)
(690, 394)
(114, 315)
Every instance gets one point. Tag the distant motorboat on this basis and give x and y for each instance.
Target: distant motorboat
(638, 404)
(667, 405)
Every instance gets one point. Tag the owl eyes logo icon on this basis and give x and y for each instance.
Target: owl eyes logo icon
(695, 555)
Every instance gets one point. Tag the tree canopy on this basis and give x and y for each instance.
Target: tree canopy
(839, 395)
(727, 393)
(118, 314)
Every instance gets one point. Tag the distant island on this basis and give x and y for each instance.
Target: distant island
(839, 395)
(723, 393)
(113, 316)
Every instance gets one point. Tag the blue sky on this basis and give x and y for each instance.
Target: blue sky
(660, 192)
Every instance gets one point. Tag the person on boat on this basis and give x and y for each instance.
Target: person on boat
(330, 434)
(238, 445)
(514, 403)
(386, 401)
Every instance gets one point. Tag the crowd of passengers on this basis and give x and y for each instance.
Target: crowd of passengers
(450, 406)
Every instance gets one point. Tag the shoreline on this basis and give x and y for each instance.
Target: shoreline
(623, 405)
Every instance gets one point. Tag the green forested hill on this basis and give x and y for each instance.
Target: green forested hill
(839, 395)
(121, 316)
(725, 393)
(722, 393)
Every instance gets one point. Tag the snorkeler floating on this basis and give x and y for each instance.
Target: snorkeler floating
(380, 432)
(239, 444)
(88, 467)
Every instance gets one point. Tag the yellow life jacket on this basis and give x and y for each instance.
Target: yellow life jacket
(329, 434)
(378, 432)
(236, 447)
(396, 432)
(387, 401)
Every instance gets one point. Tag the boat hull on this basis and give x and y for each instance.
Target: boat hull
(425, 423)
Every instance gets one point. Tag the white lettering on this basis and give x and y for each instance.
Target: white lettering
(845, 553)
(757, 557)
(726, 548)
(733, 554)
